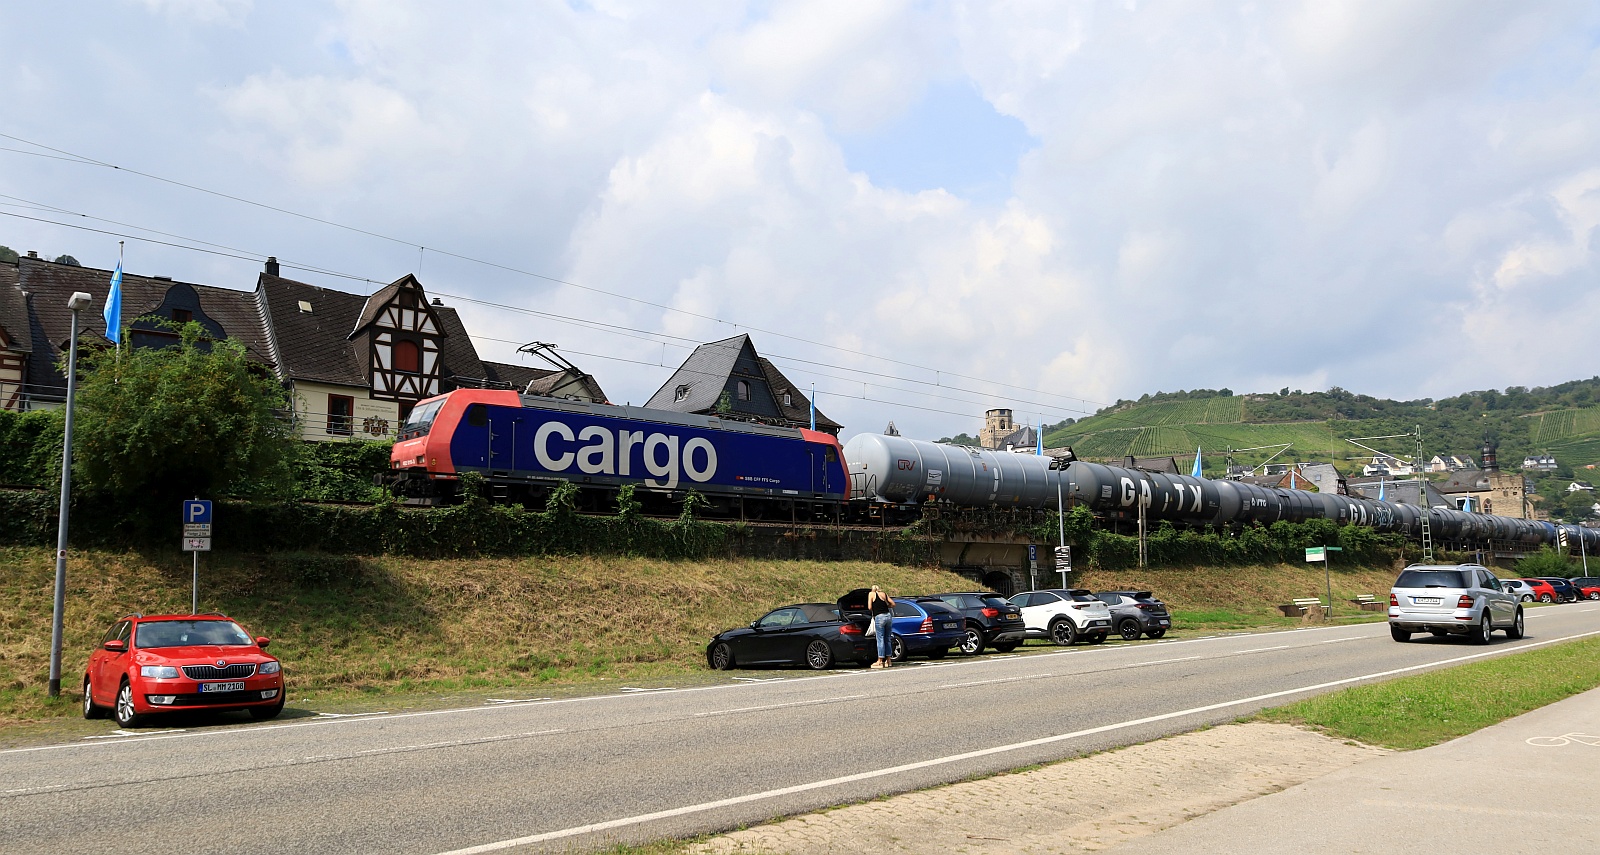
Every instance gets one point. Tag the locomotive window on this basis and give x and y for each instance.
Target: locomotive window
(420, 419)
(477, 415)
(831, 454)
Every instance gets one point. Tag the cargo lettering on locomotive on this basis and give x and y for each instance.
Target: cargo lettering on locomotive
(609, 453)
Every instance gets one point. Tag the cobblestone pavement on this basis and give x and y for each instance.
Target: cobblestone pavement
(1082, 805)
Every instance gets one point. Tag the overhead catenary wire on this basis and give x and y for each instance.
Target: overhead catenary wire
(74, 157)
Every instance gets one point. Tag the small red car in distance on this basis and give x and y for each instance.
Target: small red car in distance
(1588, 587)
(168, 663)
(1542, 590)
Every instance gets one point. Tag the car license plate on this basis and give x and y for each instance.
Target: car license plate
(949, 625)
(208, 688)
(1166, 623)
(1425, 601)
(1013, 617)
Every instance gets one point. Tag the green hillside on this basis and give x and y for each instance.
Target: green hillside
(1562, 420)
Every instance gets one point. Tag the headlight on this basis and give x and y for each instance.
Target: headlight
(159, 672)
(269, 668)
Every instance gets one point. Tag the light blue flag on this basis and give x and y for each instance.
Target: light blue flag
(1293, 484)
(1380, 489)
(1196, 472)
(113, 310)
(813, 406)
(1039, 450)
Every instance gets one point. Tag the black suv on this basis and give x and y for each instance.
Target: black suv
(1136, 612)
(991, 621)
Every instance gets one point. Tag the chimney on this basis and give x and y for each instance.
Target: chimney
(33, 253)
(438, 302)
(272, 265)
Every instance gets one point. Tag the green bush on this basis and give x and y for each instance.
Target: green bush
(1547, 562)
(30, 447)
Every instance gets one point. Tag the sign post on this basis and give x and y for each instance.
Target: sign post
(1064, 562)
(1320, 553)
(196, 539)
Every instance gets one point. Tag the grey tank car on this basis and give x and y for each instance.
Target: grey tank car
(897, 470)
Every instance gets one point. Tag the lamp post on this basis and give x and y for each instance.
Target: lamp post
(78, 302)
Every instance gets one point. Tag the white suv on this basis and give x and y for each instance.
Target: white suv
(1456, 599)
(1064, 616)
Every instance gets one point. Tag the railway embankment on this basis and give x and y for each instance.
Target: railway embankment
(354, 629)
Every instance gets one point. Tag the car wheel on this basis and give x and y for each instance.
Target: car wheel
(1156, 633)
(938, 652)
(1516, 630)
(1399, 634)
(1063, 633)
(819, 655)
(267, 713)
(91, 710)
(1544, 598)
(722, 657)
(972, 642)
(1098, 638)
(1129, 630)
(1485, 629)
(126, 717)
(1594, 595)
(897, 649)
(1006, 646)
(1527, 598)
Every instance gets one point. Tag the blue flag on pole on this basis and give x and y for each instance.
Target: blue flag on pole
(1039, 449)
(113, 310)
(1380, 489)
(1196, 472)
(813, 406)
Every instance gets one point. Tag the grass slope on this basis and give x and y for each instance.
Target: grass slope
(412, 625)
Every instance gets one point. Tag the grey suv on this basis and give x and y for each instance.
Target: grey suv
(1459, 599)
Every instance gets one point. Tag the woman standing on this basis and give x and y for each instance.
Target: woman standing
(882, 607)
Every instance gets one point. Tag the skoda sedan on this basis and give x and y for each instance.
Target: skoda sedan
(168, 663)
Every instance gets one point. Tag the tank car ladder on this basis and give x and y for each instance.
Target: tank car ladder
(1422, 501)
(1427, 537)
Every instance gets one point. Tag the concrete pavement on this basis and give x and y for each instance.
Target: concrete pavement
(1521, 786)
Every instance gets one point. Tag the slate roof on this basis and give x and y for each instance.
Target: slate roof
(1464, 481)
(706, 373)
(1153, 464)
(14, 310)
(311, 345)
(1022, 437)
(50, 285)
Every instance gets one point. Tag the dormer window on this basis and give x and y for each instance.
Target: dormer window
(408, 299)
(786, 400)
(680, 394)
(305, 306)
(742, 389)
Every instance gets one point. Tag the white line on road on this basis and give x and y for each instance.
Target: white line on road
(623, 822)
(513, 700)
(1262, 649)
(996, 680)
(782, 706)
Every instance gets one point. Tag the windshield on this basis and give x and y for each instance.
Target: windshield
(182, 633)
(1432, 579)
(421, 419)
(997, 603)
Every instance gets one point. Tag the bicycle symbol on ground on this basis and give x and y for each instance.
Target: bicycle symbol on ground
(1564, 739)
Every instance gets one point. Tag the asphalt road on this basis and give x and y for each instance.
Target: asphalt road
(580, 773)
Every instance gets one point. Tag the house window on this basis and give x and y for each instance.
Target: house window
(341, 412)
(743, 390)
(182, 316)
(680, 394)
(408, 299)
(408, 357)
(786, 400)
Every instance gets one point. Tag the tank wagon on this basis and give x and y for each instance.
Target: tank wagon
(897, 470)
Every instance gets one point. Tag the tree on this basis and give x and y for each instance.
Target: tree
(67, 260)
(8, 255)
(155, 426)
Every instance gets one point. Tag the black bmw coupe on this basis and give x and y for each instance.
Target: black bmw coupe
(810, 634)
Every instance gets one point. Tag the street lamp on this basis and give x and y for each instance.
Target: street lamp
(78, 302)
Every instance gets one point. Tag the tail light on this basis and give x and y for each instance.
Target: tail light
(1080, 605)
(1393, 600)
(1146, 607)
(851, 629)
(991, 613)
(1464, 601)
(927, 625)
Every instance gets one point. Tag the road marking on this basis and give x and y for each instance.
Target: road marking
(503, 701)
(781, 706)
(118, 734)
(997, 680)
(760, 679)
(1342, 640)
(634, 690)
(349, 714)
(1262, 649)
(624, 822)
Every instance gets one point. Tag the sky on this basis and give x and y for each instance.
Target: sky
(926, 209)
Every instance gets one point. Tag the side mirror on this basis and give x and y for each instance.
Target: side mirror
(755, 624)
(262, 641)
(116, 645)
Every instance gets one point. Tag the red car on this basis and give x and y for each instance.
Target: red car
(167, 663)
(1588, 587)
(1542, 591)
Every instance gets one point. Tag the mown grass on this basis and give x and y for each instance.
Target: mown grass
(1427, 709)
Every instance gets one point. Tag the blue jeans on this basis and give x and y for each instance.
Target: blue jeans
(883, 625)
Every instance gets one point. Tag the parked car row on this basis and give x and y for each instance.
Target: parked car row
(823, 635)
(1553, 589)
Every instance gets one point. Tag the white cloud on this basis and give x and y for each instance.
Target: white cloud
(229, 12)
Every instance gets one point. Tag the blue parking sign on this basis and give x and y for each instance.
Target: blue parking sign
(197, 512)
